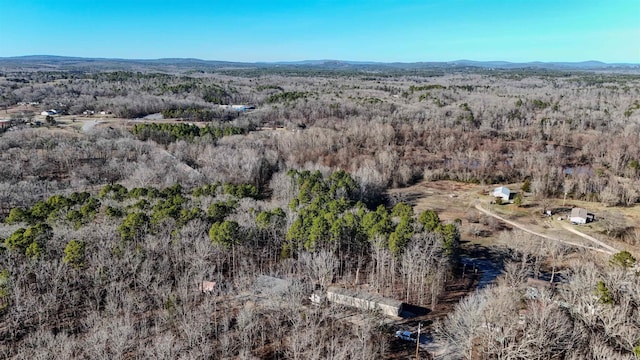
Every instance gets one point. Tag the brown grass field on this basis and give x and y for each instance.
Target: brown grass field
(453, 200)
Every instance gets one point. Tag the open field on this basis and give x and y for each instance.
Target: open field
(457, 200)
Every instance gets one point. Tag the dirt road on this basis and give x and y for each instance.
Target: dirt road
(590, 238)
(609, 250)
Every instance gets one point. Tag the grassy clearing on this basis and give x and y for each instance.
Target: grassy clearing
(453, 200)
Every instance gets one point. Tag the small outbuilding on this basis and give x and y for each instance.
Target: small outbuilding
(502, 192)
(242, 108)
(580, 216)
(207, 287)
(49, 112)
(5, 123)
(270, 286)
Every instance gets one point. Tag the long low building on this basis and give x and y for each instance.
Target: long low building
(364, 301)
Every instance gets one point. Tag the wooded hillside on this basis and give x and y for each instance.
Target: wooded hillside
(112, 223)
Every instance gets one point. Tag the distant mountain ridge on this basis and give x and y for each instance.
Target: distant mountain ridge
(75, 62)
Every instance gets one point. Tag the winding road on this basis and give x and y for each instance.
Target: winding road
(607, 249)
(590, 238)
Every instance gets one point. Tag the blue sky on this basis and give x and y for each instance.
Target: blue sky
(377, 30)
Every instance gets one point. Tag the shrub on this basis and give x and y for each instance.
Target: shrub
(74, 254)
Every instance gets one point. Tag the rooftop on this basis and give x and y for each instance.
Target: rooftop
(365, 296)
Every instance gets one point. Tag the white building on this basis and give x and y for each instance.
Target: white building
(580, 216)
(502, 192)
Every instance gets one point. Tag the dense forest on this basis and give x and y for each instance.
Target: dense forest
(147, 184)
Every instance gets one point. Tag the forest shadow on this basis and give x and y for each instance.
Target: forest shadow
(560, 210)
(497, 254)
(486, 263)
(409, 198)
(411, 311)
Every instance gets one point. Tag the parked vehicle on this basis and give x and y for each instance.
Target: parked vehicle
(406, 336)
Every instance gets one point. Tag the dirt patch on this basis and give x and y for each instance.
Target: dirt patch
(446, 186)
(449, 198)
(455, 200)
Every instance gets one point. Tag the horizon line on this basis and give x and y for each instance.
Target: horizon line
(322, 60)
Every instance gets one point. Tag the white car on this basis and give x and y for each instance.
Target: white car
(406, 335)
